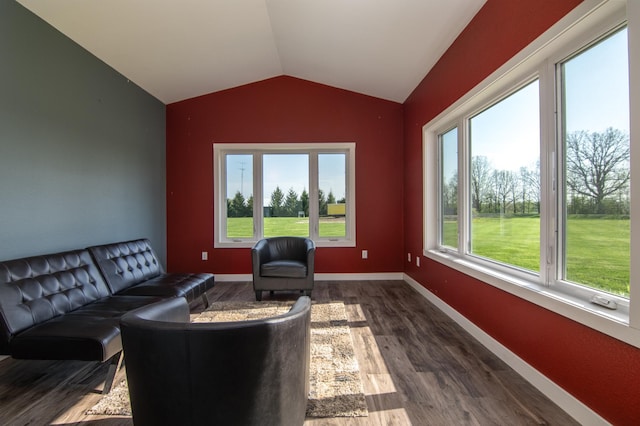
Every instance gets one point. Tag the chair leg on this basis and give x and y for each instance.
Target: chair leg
(307, 293)
(205, 300)
(258, 296)
(114, 365)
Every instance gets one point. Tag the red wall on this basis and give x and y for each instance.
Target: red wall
(285, 109)
(602, 372)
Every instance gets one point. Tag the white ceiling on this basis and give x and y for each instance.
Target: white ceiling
(178, 49)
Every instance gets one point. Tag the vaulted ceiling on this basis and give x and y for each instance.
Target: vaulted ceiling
(178, 49)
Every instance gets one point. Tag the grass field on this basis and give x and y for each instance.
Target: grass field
(242, 227)
(597, 249)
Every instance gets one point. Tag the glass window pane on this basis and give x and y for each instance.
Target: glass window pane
(239, 196)
(505, 180)
(285, 183)
(449, 188)
(595, 103)
(332, 195)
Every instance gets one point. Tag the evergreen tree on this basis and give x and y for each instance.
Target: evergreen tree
(236, 207)
(322, 203)
(249, 209)
(277, 201)
(304, 202)
(291, 204)
(331, 199)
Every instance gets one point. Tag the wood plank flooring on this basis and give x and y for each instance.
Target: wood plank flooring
(418, 368)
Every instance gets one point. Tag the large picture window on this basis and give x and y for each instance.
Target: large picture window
(270, 190)
(597, 169)
(528, 179)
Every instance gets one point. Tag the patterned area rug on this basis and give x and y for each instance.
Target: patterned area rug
(335, 388)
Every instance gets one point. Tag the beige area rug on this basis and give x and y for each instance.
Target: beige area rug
(335, 388)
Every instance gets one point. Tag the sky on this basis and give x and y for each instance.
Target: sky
(596, 96)
(508, 133)
(286, 171)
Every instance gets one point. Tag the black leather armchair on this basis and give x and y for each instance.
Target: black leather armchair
(283, 263)
(230, 373)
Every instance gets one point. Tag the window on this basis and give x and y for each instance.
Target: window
(448, 145)
(269, 190)
(504, 146)
(595, 142)
(528, 177)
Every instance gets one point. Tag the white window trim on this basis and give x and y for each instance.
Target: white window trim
(582, 24)
(220, 203)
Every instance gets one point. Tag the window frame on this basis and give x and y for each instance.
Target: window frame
(591, 20)
(221, 150)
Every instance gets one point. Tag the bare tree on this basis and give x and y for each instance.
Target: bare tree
(597, 164)
(531, 185)
(504, 184)
(450, 196)
(480, 181)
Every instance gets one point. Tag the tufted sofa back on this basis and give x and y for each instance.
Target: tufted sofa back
(127, 263)
(35, 289)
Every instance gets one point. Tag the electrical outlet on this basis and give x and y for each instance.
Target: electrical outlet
(205, 255)
(408, 257)
(365, 254)
(418, 261)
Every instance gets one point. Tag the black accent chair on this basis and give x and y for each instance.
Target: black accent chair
(283, 263)
(253, 372)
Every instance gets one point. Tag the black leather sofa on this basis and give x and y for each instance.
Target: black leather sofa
(131, 268)
(68, 305)
(249, 373)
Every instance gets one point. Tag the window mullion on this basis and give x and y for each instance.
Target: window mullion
(633, 16)
(220, 195)
(258, 199)
(314, 186)
(549, 178)
(465, 212)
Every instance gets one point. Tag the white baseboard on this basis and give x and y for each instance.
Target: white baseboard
(574, 407)
(376, 276)
(233, 277)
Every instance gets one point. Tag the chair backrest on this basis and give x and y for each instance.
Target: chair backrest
(290, 248)
(233, 373)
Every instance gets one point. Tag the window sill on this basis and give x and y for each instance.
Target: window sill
(614, 323)
(250, 243)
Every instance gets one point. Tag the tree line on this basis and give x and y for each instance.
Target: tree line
(281, 205)
(597, 169)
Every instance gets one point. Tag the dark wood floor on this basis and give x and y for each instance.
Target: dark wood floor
(418, 368)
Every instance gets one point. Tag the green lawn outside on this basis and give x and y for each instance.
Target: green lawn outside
(598, 253)
(242, 227)
(597, 249)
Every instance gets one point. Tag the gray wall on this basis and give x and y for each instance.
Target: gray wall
(82, 150)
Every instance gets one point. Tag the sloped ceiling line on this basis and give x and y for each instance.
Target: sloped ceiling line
(176, 50)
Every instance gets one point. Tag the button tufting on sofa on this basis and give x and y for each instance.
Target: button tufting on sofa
(68, 305)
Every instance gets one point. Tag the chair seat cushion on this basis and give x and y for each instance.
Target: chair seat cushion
(284, 269)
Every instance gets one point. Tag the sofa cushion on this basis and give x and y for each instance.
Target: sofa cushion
(126, 263)
(36, 289)
(89, 333)
(284, 269)
(189, 286)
